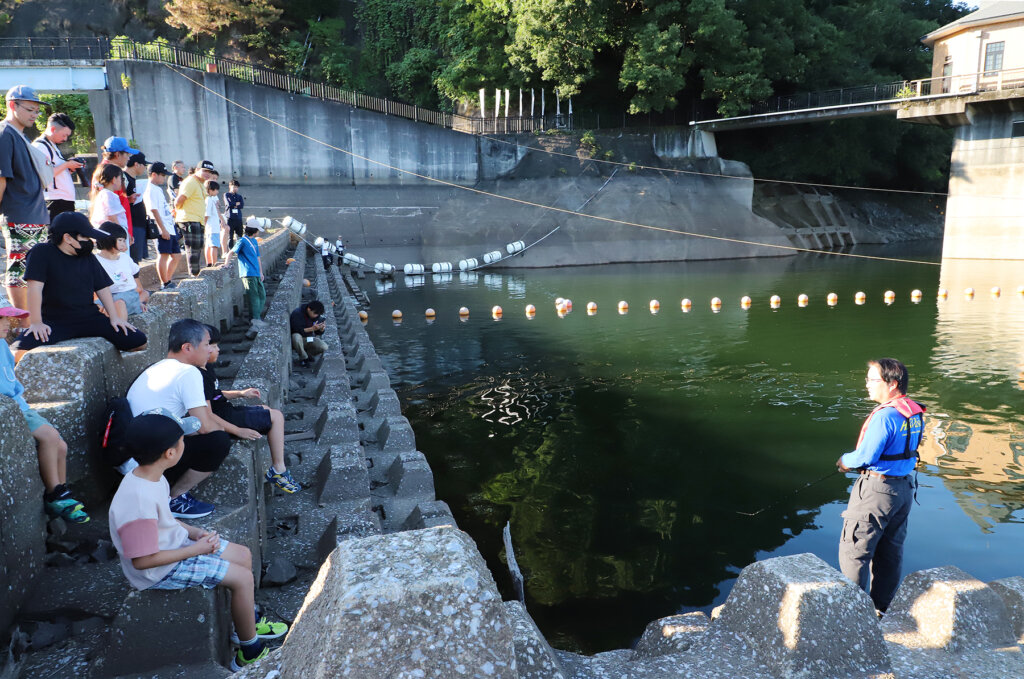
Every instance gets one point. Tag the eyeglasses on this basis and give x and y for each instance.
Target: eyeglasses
(27, 109)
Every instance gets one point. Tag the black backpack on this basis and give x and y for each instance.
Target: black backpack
(119, 416)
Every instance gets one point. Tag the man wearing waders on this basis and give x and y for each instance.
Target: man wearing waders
(875, 521)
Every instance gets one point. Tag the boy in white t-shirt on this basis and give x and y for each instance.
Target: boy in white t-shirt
(112, 252)
(213, 223)
(159, 552)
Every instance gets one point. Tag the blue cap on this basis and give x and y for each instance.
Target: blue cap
(22, 93)
(118, 145)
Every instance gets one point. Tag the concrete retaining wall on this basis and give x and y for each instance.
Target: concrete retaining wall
(175, 118)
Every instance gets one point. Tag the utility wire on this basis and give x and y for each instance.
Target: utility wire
(552, 208)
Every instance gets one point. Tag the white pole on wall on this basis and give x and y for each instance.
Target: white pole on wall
(532, 101)
(520, 102)
(483, 109)
(506, 103)
(497, 103)
(542, 102)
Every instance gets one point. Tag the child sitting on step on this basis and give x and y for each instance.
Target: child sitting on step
(50, 447)
(112, 253)
(159, 552)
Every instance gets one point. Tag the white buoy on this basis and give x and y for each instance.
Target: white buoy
(685, 305)
(384, 268)
(745, 302)
(591, 308)
(860, 298)
(803, 300)
(716, 303)
(290, 223)
(832, 299)
(363, 316)
(916, 295)
(463, 311)
(318, 242)
(430, 313)
(467, 264)
(492, 257)
(969, 292)
(623, 307)
(513, 248)
(353, 260)
(559, 301)
(1020, 289)
(396, 314)
(775, 300)
(996, 291)
(943, 293)
(531, 310)
(413, 269)
(568, 304)
(441, 267)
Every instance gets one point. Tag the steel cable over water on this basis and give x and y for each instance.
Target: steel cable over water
(550, 208)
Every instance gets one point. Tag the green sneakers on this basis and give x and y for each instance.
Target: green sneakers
(240, 660)
(67, 508)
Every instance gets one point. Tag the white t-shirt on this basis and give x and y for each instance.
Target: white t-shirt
(141, 524)
(167, 384)
(63, 186)
(156, 200)
(121, 270)
(212, 215)
(106, 207)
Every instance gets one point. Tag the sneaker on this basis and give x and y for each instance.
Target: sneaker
(283, 481)
(187, 507)
(239, 661)
(69, 509)
(170, 285)
(265, 630)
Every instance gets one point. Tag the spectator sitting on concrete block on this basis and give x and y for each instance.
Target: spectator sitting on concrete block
(247, 422)
(50, 447)
(250, 269)
(176, 384)
(306, 328)
(159, 552)
(129, 295)
(62, 277)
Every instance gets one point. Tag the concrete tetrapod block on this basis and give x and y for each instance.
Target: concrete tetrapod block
(412, 604)
(793, 609)
(948, 609)
(350, 523)
(674, 634)
(342, 475)
(1011, 591)
(429, 515)
(340, 424)
(196, 619)
(410, 476)
(395, 435)
(22, 540)
(535, 659)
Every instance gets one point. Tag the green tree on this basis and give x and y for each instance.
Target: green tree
(210, 17)
(655, 65)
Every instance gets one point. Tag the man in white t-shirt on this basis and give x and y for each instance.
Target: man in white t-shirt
(60, 195)
(176, 384)
(168, 246)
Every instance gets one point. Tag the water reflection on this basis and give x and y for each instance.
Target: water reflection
(622, 448)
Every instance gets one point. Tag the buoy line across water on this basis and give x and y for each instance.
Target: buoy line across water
(563, 306)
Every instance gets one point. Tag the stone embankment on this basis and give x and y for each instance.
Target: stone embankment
(373, 573)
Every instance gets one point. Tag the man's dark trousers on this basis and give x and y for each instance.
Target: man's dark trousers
(874, 528)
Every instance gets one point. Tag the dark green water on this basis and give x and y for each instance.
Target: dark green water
(623, 447)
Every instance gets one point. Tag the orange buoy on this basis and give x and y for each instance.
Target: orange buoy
(745, 302)
(496, 311)
(803, 300)
(290, 260)
(623, 307)
(430, 313)
(832, 299)
(396, 314)
(305, 282)
(559, 301)
(969, 292)
(915, 296)
(685, 305)
(655, 306)
(775, 301)
(591, 308)
(530, 309)
(716, 303)
(363, 315)
(996, 291)
(568, 305)
(943, 293)
(463, 311)
(860, 298)
(1020, 289)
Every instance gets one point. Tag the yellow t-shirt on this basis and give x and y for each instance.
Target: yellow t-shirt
(194, 208)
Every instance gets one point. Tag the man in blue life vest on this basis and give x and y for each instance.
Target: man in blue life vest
(875, 521)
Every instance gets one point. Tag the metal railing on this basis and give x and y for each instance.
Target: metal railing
(54, 48)
(951, 85)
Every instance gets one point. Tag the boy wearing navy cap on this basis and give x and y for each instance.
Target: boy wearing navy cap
(62, 276)
(159, 552)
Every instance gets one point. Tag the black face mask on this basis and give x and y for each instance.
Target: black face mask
(84, 248)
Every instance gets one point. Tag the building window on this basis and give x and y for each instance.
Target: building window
(947, 72)
(993, 57)
(1017, 130)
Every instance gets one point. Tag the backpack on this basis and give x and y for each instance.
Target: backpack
(119, 416)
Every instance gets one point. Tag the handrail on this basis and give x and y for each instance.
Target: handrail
(950, 85)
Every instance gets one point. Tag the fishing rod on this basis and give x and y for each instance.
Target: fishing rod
(792, 493)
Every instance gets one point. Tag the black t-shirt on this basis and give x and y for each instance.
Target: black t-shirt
(236, 203)
(300, 320)
(211, 390)
(69, 283)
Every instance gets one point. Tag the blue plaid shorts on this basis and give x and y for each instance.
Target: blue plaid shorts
(207, 570)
